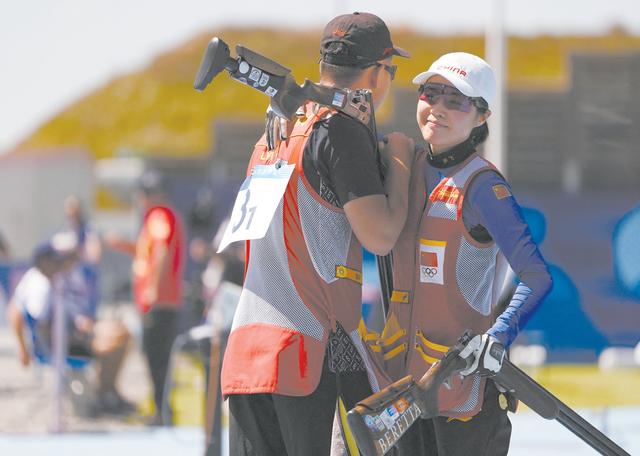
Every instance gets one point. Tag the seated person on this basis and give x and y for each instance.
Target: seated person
(33, 303)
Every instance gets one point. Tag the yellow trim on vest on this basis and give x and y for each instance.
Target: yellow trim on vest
(464, 419)
(370, 336)
(427, 358)
(400, 296)
(365, 334)
(347, 435)
(393, 338)
(395, 352)
(343, 272)
(433, 243)
(431, 345)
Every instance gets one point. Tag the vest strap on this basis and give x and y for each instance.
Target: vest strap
(400, 296)
(431, 345)
(395, 352)
(394, 337)
(427, 358)
(343, 272)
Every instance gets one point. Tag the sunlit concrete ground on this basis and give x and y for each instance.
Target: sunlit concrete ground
(531, 436)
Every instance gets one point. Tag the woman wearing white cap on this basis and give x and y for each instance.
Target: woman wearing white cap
(464, 227)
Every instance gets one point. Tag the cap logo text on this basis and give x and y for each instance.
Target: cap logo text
(453, 69)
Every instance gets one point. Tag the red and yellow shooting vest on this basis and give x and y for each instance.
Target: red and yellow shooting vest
(301, 278)
(445, 283)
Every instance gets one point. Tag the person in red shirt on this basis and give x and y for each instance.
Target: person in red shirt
(157, 272)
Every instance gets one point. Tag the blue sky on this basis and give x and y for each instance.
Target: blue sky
(52, 52)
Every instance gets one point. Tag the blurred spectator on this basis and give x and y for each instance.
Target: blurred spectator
(201, 220)
(157, 278)
(233, 257)
(227, 266)
(89, 248)
(33, 303)
(203, 215)
(77, 222)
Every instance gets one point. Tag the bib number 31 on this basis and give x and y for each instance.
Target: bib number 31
(256, 203)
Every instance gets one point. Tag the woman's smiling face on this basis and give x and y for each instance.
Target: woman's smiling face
(442, 127)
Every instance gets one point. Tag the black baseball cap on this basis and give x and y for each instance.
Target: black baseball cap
(357, 39)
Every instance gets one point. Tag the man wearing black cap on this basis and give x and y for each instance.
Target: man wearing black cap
(294, 344)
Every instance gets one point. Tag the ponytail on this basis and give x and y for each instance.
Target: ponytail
(479, 135)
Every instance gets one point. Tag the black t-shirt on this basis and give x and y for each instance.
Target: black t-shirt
(339, 160)
(340, 163)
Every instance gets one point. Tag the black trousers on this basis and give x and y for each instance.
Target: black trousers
(277, 425)
(160, 327)
(486, 434)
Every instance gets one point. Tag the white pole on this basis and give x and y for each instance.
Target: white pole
(496, 56)
(59, 354)
(495, 52)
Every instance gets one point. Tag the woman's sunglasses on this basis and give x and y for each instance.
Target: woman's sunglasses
(452, 97)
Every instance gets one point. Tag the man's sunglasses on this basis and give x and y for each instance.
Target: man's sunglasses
(451, 97)
(391, 69)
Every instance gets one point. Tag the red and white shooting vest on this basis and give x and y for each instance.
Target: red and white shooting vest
(301, 278)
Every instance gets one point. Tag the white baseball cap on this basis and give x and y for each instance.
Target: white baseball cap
(467, 72)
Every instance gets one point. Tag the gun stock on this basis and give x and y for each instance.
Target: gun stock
(380, 420)
(215, 59)
(275, 81)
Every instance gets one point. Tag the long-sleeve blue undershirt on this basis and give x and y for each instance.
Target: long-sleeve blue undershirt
(500, 219)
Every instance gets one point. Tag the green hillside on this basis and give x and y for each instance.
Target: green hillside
(156, 110)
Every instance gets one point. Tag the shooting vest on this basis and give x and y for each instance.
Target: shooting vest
(161, 229)
(445, 283)
(301, 279)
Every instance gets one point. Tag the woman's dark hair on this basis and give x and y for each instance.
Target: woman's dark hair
(479, 134)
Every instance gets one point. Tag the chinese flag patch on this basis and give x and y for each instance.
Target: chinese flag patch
(445, 193)
(501, 191)
(429, 259)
